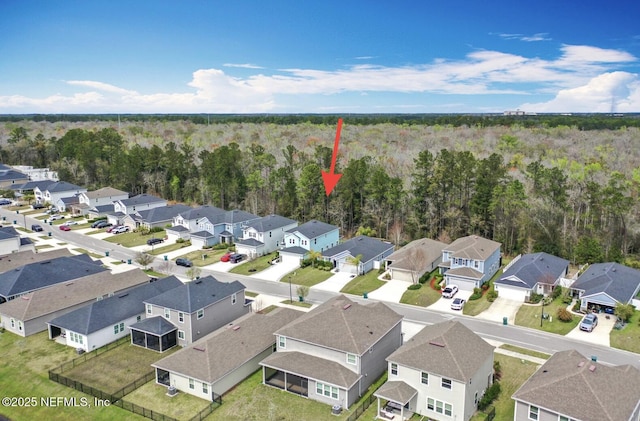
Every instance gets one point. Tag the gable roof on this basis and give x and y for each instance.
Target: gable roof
(205, 211)
(195, 295)
(8, 232)
(448, 349)
(21, 258)
(11, 174)
(64, 295)
(63, 186)
(472, 247)
(33, 276)
(104, 192)
(156, 325)
(162, 213)
(228, 348)
(418, 254)
(313, 229)
(141, 199)
(112, 310)
(269, 223)
(232, 217)
(30, 185)
(342, 324)
(366, 246)
(531, 269)
(618, 281)
(566, 384)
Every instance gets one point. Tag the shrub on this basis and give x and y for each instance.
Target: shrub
(485, 286)
(304, 263)
(437, 286)
(567, 299)
(557, 291)
(576, 306)
(182, 240)
(624, 311)
(497, 370)
(156, 229)
(414, 286)
(564, 315)
(492, 295)
(477, 294)
(535, 298)
(221, 246)
(424, 278)
(489, 396)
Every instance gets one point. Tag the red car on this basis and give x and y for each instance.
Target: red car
(65, 227)
(225, 257)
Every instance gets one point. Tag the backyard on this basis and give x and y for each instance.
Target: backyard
(363, 283)
(182, 406)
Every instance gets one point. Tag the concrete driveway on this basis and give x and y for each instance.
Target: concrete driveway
(277, 271)
(444, 304)
(336, 282)
(599, 335)
(391, 291)
(500, 308)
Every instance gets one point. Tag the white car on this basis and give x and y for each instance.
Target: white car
(457, 304)
(56, 217)
(68, 223)
(449, 291)
(119, 230)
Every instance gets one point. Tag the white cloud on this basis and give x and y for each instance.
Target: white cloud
(541, 36)
(243, 66)
(100, 86)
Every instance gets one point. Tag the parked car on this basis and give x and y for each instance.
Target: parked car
(449, 291)
(70, 222)
(154, 241)
(65, 227)
(98, 222)
(56, 217)
(36, 228)
(37, 206)
(110, 227)
(119, 229)
(237, 257)
(589, 322)
(225, 257)
(4, 202)
(181, 261)
(457, 304)
(52, 210)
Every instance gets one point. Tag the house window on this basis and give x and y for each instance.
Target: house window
(394, 369)
(424, 379)
(533, 412)
(149, 308)
(234, 298)
(205, 388)
(200, 313)
(439, 407)
(181, 317)
(282, 341)
(181, 334)
(351, 359)
(192, 384)
(138, 318)
(121, 327)
(563, 418)
(13, 323)
(446, 383)
(326, 390)
(475, 399)
(116, 329)
(167, 313)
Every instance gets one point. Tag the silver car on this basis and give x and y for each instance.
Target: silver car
(589, 322)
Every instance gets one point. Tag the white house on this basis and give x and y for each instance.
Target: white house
(57, 191)
(95, 198)
(264, 235)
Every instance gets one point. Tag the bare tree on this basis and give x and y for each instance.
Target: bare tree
(415, 262)
(193, 272)
(144, 259)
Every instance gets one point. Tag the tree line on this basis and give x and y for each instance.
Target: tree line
(585, 213)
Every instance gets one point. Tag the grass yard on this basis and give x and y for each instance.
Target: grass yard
(307, 276)
(213, 256)
(296, 303)
(116, 368)
(158, 250)
(24, 373)
(182, 406)
(525, 351)
(629, 337)
(132, 239)
(259, 264)
(44, 246)
(84, 251)
(423, 297)
(529, 316)
(363, 283)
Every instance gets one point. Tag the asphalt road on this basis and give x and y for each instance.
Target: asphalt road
(515, 335)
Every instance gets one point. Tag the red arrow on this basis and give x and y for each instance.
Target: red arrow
(330, 179)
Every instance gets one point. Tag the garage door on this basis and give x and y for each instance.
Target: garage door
(463, 284)
(515, 294)
(346, 267)
(290, 258)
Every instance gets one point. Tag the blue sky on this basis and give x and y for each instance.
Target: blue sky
(261, 56)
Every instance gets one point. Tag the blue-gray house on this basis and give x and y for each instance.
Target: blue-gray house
(470, 261)
(605, 285)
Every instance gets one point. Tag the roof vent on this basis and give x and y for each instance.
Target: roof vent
(198, 349)
(346, 306)
(44, 263)
(123, 295)
(236, 327)
(198, 281)
(581, 363)
(441, 345)
(592, 368)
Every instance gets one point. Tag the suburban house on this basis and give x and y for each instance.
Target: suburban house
(104, 321)
(37, 174)
(30, 313)
(159, 217)
(264, 235)
(310, 236)
(30, 186)
(92, 199)
(43, 274)
(15, 260)
(570, 386)
(221, 228)
(604, 285)
(528, 274)
(222, 359)
(470, 261)
(333, 353)
(66, 203)
(441, 373)
(53, 192)
(187, 222)
(358, 255)
(195, 309)
(10, 177)
(12, 242)
(124, 207)
(415, 259)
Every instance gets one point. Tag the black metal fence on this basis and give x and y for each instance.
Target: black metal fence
(90, 355)
(363, 407)
(491, 414)
(217, 401)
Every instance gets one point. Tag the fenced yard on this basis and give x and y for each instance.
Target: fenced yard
(182, 406)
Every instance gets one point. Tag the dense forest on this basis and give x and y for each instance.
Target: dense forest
(531, 183)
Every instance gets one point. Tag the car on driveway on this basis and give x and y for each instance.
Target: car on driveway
(68, 223)
(225, 257)
(36, 228)
(65, 227)
(154, 241)
(181, 261)
(457, 304)
(56, 217)
(589, 322)
(37, 206)
(4, 202)
(119, 229)
(449, 291)
(102, 224)
(237, 257)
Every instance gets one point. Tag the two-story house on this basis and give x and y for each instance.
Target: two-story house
(104, 321)
(571, 387)
(187, 222)
(196, 309)
(97, 198)
(440, 373)
(358, 255)
(470, 261)
(160, 216)
(333, 353)
(310, 236)
(53, 193)
(264, 235)
(12, 242)
(124, 207)
(222, 228)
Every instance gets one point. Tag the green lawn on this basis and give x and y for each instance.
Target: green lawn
(475, 307)
(308, 276)
(525, 351)
(363, 283)
(24, 373)
(182, 406)
(259, 264)
(158, 250)
(425, 296)
(132, 239)
(213, 256)
(529, 316)
(84, 251)
(628, 337)
(296, 303)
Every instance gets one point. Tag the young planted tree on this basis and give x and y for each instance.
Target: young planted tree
(144, 259)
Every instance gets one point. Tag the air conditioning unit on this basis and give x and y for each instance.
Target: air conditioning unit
(336, 409)
(172, 391)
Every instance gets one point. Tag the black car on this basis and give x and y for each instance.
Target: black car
(98, 222)
(237, 257)
(37, 206)
(181, 261)
(36, 228)
(5, 202)
(154, 241)
(103, 224)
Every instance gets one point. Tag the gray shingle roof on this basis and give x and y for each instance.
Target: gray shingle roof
(141, 199)
(448, 349)
(162, 213)
(567, 385)
(104, 208)
(295, 250)
(396, 391)
(45, 273)
(417, 255)
(15, 260)
(203, 234)
(157, 325)
(178, 228)
(30, 185)
(112, 310)
(206, 211)
(473, 247)
(195, 295)
(313, 229)
(63, 186)
(8, 232)
(342, 324)
(530, 269)
(366, 246)
(12, 175)
(618, 281)
(269, 223)
(226, 349)
(232, 217)
(251, 242)
(104, 192)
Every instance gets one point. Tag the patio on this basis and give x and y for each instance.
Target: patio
(289, 382)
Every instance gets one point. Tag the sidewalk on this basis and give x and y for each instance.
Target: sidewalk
(515, 354)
